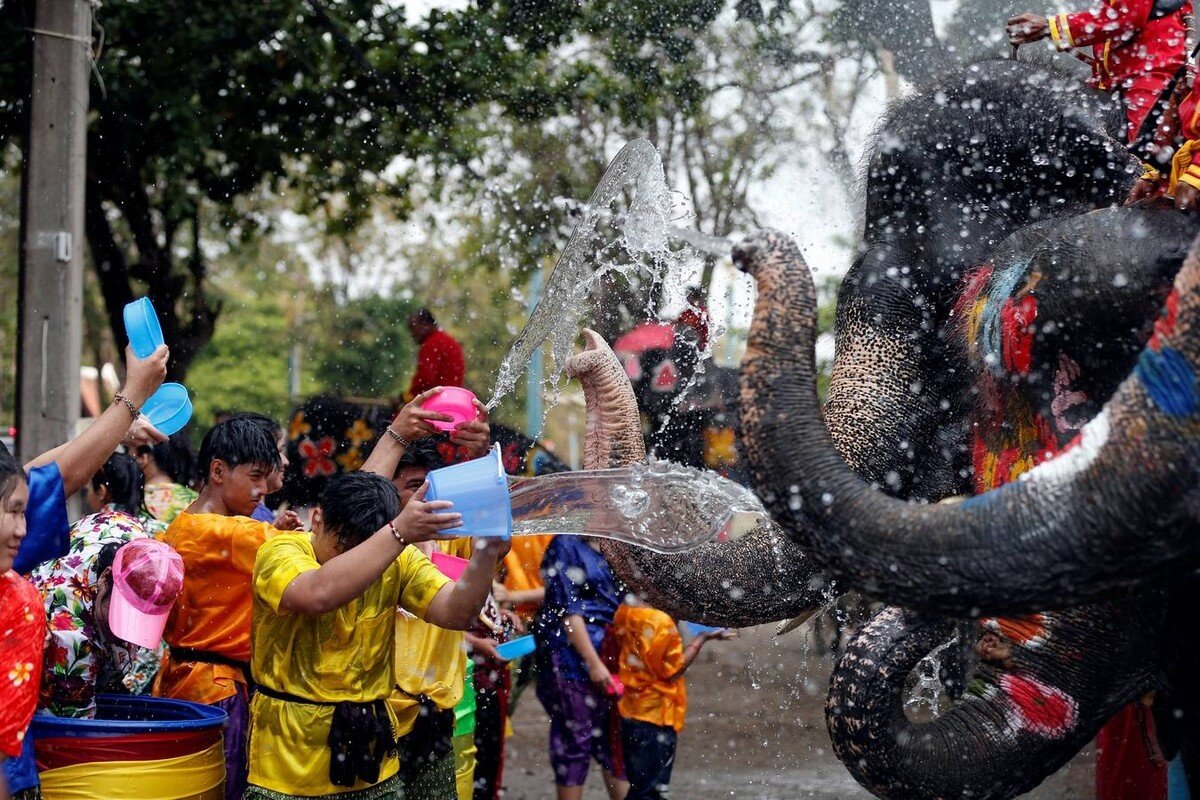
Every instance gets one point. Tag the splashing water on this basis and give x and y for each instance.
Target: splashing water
(562, 305)
(707, 243)
(927, 686)
(660, 505)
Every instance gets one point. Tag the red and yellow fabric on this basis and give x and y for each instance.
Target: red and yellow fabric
(214, 610)
(429, 660)
(1182, 166)
(1130, 52)
(179, 766)
(22, 637)
(651, 652)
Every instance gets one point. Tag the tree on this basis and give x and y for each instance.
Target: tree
(199, 105)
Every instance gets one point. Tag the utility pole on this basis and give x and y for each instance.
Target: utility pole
(52, 237)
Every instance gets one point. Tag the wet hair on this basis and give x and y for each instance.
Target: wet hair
(270, 426)
(175, 457)
(106, 557)
(125, 482)
(11, 474)
(422, 453)
(357, 504)
(423, 314)
(237, 442)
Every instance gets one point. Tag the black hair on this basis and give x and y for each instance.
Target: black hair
(175, 457)
(11, 474)
(272, 427)
(422, 453)
(236, 442)
(106, 557)
(125, 482)
(357, 504)
(423, 314)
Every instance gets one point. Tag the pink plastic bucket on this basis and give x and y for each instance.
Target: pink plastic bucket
(450, 566)
(455, 401)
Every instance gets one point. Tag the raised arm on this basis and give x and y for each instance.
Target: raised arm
(347, 575)
(411, 423)
(79, 459)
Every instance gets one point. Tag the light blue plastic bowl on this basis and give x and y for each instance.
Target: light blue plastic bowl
(142, 327)
(521, 646)
(695, 628)
(479, 491)
(168, 409)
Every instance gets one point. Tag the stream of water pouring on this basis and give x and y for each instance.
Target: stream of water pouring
(564, 300)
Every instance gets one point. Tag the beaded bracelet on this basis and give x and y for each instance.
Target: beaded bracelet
(134, 411)
(405, 443)
(396, 534)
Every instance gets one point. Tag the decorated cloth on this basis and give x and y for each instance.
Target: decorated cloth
(439, 363)
(344, 655)
(1131, 53)
(389, 789)
(578, 581)
(45, 519)
(212, 614)
(523, 568)
(165, 501)
(651, 652)
(79, 661)
(430, 662)
(22, 636)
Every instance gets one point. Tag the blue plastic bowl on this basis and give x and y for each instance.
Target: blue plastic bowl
(168, 409)
(120, 715)
(695, 628)
(479, 491)
(521, 646)
(142, 327)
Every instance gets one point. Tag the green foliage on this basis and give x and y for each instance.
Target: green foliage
(366, 350)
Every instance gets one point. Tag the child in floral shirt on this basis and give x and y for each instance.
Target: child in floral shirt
(82, 658)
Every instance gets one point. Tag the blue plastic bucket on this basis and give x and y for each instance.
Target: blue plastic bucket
(479, 491)
(120, 715)
(169, 408)
(695, 628)
(521, 646)
(142, 327)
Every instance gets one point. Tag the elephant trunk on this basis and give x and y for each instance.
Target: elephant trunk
(1016, 724)
(761, 577)
(1111, 513)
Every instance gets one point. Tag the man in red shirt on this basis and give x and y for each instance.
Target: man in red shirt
(439, 359)
(1137, 45)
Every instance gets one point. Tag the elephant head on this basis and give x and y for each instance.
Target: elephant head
(1115, 511)
(760, 577)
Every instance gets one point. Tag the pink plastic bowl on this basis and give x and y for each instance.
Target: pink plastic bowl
(455, 401)
(450, 566)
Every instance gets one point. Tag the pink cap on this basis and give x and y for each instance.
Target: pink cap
(147, 577)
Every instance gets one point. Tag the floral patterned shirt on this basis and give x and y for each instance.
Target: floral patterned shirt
(78, 661)
(166, 500)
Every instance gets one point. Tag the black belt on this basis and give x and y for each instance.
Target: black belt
(360, 735)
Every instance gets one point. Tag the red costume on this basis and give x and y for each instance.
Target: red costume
(439, 363)
(1131, 53)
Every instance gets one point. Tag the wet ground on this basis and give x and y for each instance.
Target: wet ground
(755, 730)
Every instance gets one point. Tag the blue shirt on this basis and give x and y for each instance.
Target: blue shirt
(263, 514)
(48, 531)
(578, 581)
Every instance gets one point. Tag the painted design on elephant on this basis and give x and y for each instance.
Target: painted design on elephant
(1038, 708)
(996, 312)
(316, 456)
(1165, 371)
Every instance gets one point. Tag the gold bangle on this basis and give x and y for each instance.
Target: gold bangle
(405, 443)
(134, 411)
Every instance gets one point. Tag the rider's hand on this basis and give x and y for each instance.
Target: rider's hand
(1187, 197)
(1026, 28)
(1141, 190)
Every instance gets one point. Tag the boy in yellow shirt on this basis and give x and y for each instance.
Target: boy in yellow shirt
(324, 631)
(654, 705)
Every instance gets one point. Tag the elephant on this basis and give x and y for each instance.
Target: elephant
(996, 303)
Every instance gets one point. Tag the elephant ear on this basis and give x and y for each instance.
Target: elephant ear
(760, 577)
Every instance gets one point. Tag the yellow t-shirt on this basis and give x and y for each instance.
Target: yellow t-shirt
(651, 649)
(429, 661)
(343, 655)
